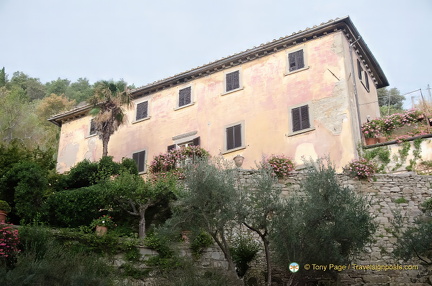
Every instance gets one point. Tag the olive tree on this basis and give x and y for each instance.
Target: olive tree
(324, 223)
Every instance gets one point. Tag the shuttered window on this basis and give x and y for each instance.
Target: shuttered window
(139, 159)
(359, 70)
(366, 81)
(92, 127)
(185, 96)
(232, 80)
(296, 60)
(233, 137)
(300, 118)
(363, 76)
(142, 110)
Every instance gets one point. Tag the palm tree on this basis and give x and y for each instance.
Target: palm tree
(107, 101)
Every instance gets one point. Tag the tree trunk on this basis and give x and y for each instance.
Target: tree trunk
(225, 249)
(267, 253)
(142, 222)
(141, 228)
(105, 146)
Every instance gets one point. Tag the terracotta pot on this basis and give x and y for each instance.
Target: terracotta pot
(238, 160)
(382, 139)
(3, 216)
(101, 230)
(371, 141)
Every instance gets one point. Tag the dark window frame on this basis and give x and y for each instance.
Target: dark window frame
(300, 119)
(296, 60)
(143, 115)
(184, 96)
(140, 159)
(232, 81)
(234, 137)
(92, 129)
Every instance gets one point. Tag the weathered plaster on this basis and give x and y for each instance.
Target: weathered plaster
(262, 104)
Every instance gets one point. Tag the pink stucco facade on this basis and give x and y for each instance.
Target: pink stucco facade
(328, 85)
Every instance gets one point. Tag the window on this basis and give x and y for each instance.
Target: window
(193, 142)
(300, 118)
(139, 158)
(234, 137)
(185, 96)
(296, 60)
(92, 130)
(363, 76)
(141, 110)
(232, 81)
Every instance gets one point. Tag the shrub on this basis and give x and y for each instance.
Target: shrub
(45, 261)
(361, 168)
(281, 165)
(104, 220)
(4, 206)
(200, 242)
(244, 251)
(73, 208)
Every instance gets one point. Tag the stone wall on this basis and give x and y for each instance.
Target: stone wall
(387, 194)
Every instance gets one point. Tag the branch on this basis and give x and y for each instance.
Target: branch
(262, 235)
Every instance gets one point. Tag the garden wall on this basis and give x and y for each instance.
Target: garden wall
(387, 194)
(404, 154)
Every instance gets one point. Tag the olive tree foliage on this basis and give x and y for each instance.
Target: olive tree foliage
(325, 223)
(208, 202)
(135, 195)
(416, 240)
(260, 203)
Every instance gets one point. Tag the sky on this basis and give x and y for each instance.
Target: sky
(143, 41)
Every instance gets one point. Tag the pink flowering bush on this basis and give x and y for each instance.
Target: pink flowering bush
(387, 124)
(361, 168)
(171, 162)
(281, 165)
(9, 241)
(372, 129)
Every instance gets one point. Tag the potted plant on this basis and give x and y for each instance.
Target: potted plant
(4, 210)
(371, 131)
(102, 224)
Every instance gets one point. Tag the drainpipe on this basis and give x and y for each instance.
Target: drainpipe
(355, 85)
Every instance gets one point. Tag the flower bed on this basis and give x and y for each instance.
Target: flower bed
(398, 126)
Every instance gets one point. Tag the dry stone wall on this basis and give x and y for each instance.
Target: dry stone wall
(387, 195)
